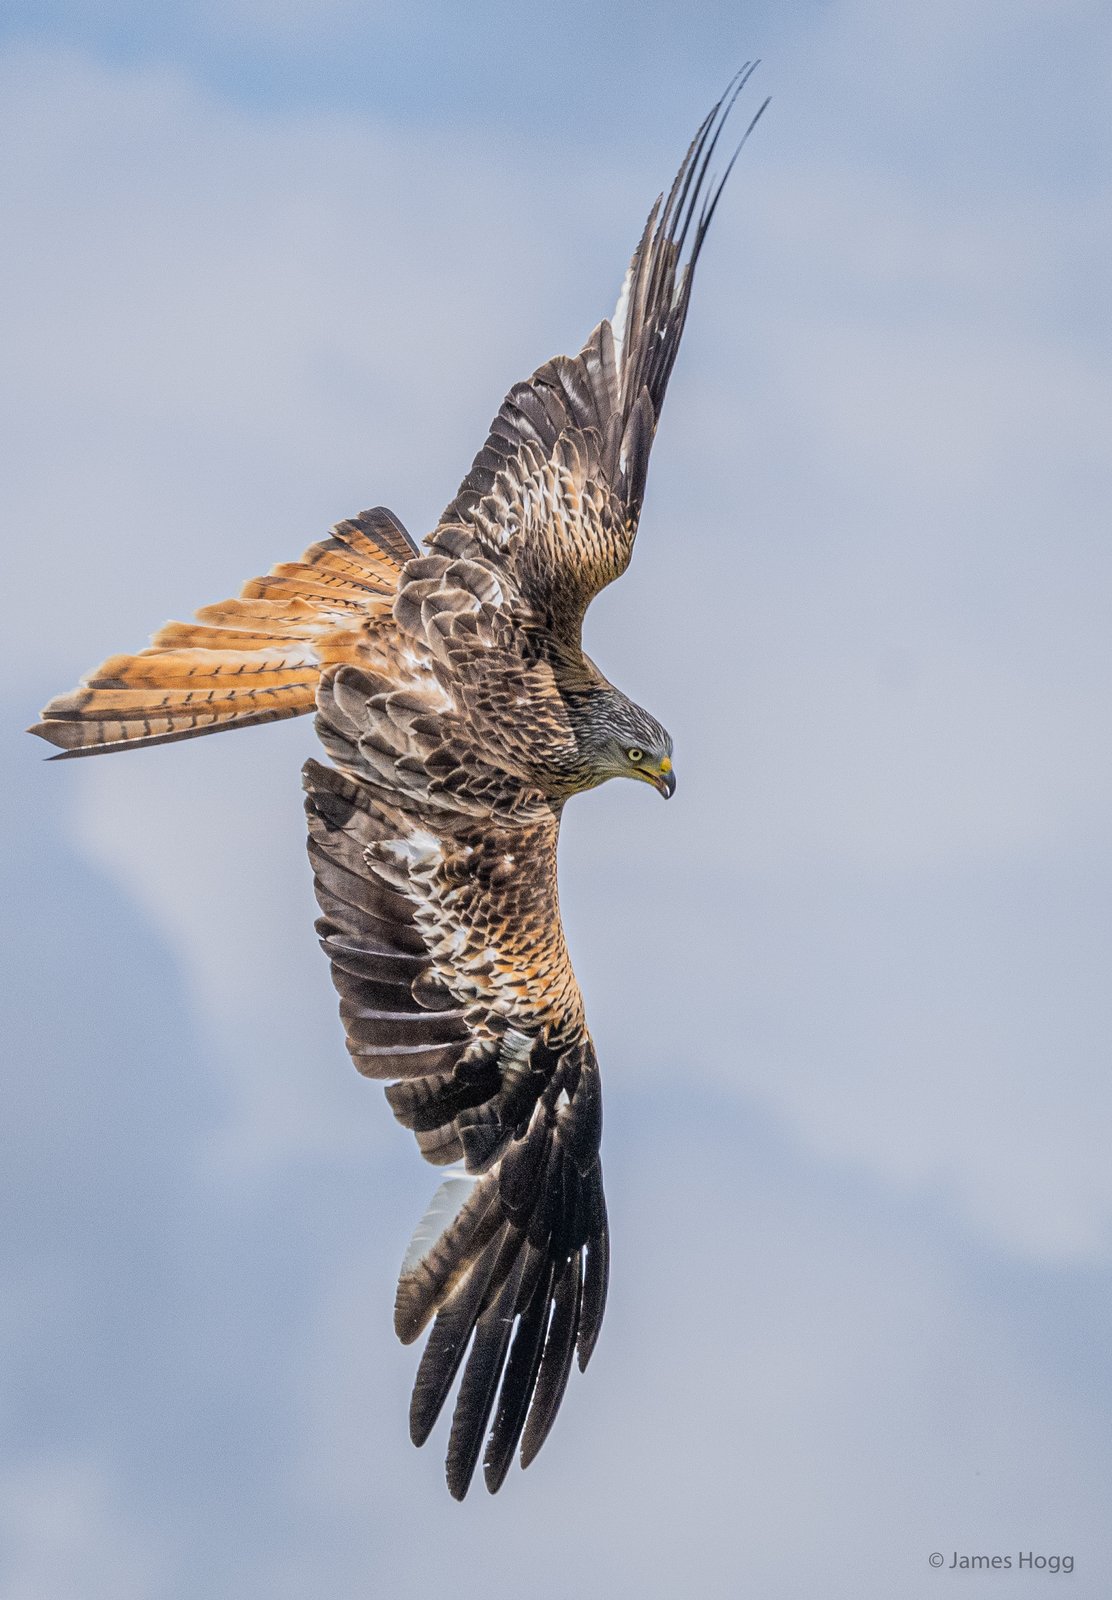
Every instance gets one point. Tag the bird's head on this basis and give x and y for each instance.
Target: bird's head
(619, 739)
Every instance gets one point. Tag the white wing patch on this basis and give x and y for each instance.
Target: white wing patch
(444, 1207)
(419, 849)
(620, 317)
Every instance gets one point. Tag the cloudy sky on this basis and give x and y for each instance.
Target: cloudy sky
(265, 265)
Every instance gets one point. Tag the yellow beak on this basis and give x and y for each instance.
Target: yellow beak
(664, 778)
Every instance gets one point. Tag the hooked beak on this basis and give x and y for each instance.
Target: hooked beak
(664, 779)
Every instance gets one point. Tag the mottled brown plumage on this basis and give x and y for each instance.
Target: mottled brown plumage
(460, 713)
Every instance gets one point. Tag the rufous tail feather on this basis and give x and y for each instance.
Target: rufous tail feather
(254, 659)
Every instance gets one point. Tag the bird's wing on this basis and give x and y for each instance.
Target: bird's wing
(444, 934)
(555, 494)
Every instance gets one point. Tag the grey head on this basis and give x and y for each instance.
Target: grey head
(619, 739)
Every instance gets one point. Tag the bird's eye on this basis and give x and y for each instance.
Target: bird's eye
(636, 754)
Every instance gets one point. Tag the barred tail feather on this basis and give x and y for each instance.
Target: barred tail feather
(254, 659)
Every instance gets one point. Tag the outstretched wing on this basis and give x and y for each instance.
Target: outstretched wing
(555, 493)
(447, 951)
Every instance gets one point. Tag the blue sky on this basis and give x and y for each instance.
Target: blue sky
(264, 266)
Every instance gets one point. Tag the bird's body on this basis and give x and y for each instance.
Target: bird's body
(459, 713)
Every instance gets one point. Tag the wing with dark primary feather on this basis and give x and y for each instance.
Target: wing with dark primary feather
(447, 951)
(555, 494)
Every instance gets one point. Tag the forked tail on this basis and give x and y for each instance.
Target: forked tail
(254, 659)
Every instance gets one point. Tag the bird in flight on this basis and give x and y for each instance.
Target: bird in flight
(460, 713)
